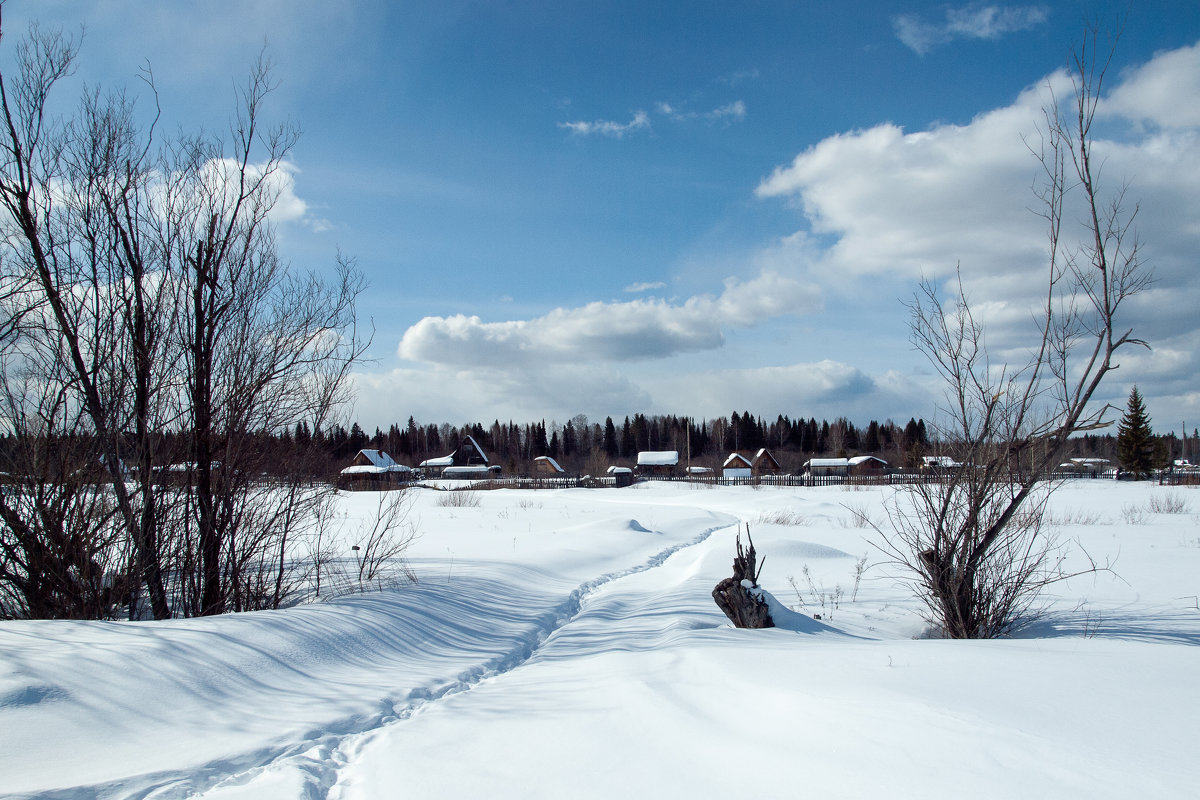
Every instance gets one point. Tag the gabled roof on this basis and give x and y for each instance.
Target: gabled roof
(377, 458)
(551, 462)
(658, 458)
(470, 440)
(373, 462)
(864, 459)
(736, 460)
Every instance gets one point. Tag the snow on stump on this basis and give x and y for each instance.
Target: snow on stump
(740, 596)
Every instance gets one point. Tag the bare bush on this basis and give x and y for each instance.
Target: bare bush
(783, 517)
(1133, 515)
(1167, 504)
(974, 544)
(459, 498)
(370, 554)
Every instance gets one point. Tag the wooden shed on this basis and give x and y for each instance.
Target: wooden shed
(867, 465)
(764, 463)
(737, 466)
(545, 465)
(657, 462)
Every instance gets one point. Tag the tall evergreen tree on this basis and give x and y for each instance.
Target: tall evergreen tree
(1135, 439)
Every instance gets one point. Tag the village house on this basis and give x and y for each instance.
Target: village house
(660, 463)
(547, 466)
(737, 466)
(468, 460)
(871, 466)
(827, 466)
(373, 469)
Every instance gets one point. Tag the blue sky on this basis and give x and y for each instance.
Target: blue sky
(689, 208)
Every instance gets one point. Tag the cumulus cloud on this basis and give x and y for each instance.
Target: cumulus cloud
(1158, 92)
(974, 21)
(886, 202)
(634, 330)
(603, 127)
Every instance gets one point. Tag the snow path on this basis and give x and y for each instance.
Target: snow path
(309, 768)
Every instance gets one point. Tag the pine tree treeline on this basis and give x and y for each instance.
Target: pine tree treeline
(585, 447)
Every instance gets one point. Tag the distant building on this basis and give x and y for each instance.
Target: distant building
(657, 462)
(867, 465)
(827, 466)
(468, 454)
(371, 469)
(545, 465)
(737, 466)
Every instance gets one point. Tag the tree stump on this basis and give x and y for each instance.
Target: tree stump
(738, 596)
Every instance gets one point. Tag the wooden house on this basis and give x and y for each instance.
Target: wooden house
(827, 466)
(764, 463)
(737, 466)
(867, 465)
(545, 466)
(659, 463)
(467, 454)
(373, 469)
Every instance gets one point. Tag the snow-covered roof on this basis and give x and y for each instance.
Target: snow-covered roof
(1091, 461)
(551, 462)
(472, 469)
(443, 461)
(940, 461)
(864, 459)
(366, 469)
(619, 470)
(378, 458)
(699, 470)
(828, 462)
(734, 459)
(471, 440)
(658, 458)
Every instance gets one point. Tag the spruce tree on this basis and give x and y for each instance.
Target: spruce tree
(1135, 440)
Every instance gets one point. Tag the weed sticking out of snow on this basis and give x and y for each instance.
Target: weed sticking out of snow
(1167, 504)
(1133, 515)
(859, 517)
(1073, 516)
(459, 498)
(782, 517)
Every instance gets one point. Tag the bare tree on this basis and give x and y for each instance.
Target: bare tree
(143, 280)
(975, 541)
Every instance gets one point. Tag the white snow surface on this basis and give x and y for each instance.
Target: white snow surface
(564, 644)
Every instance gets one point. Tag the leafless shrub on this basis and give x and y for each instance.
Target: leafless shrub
(974, 545)
(1133, 515)
(370, 555)
(1167, 504)
(782, 517)
(859, 517)
(1074, 516)
(459, 498)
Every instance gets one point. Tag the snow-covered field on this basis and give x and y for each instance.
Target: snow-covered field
(564, 644)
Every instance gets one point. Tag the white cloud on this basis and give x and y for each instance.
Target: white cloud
(1156, 92)
(615, 130)
(634, 330)
(974, 21)
(730, 112)
(884, 203)
(637, 288)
